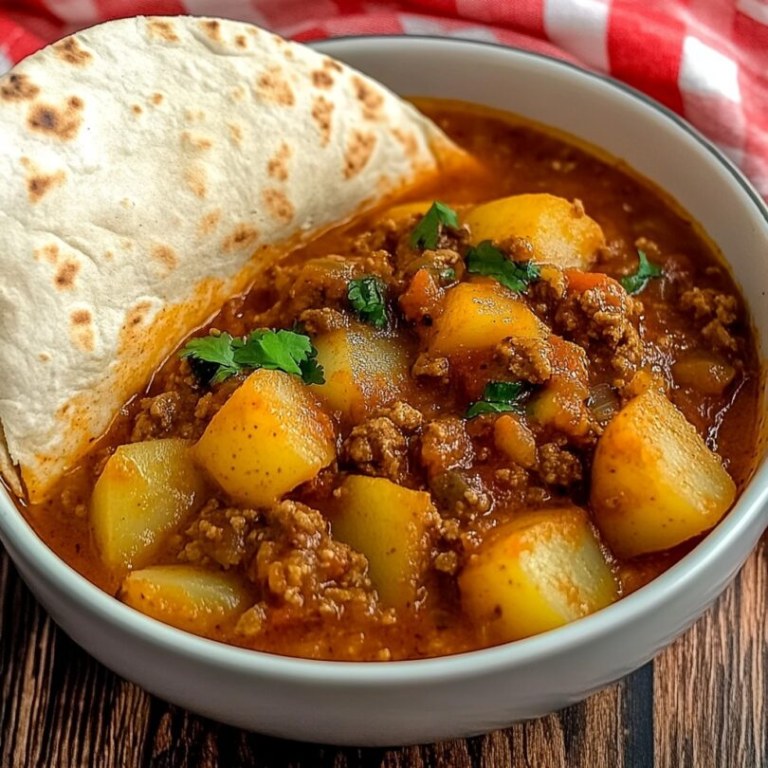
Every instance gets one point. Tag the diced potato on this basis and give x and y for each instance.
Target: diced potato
(479, 315)
(186, 596)
(391, 526)
(559, 231)
(515, 440)
(655, 483)
(540, 571)
(145, 491)
(270, 436)
(364, 369)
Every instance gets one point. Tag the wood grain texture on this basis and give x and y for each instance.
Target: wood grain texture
(701, 704)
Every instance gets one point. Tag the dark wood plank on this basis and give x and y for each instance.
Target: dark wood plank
(701, 704)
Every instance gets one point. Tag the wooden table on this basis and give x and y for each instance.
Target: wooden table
(701, 704)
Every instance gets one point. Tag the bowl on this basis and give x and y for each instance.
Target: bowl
(422, 701)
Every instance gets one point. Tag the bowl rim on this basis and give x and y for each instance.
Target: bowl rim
(752, 503)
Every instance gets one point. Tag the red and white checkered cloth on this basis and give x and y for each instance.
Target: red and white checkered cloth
(706, 59)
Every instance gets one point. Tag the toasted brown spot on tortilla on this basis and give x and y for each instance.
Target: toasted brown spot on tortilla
(209, 222)
(322, 109)
(81, 331)
(212, 29)
(321, 79)
(136, 109)
(18, 88)
(44, 357)
(371, 99)
(157, 98)
(49, 253)
(81, 317)
(109, 255)
(278, 205)
(241, 41)
(242, 236)
(166, 256)
(163, 30)
(235, 132)
(277, 167)
(194, 115)
(196, 141)
(408, 140)
(138, 314)
(66, 274)
(64, 123)
(40, 183)
(237, 93)
(329, 63)
(195, 179)
(273, 86)
(69, 50)
(358, 153)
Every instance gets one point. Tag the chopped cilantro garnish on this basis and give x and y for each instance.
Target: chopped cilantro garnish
(486, 259)
(427, 232)
(636, 282)
(277, 350)
(367, 296)
(500, 397)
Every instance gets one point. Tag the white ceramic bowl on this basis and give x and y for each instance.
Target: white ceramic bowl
(421, 701)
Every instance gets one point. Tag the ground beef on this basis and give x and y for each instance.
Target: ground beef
(525, 359)
(156, 416)
(301, 568)
(317, 321)
(377, 447)
(558, 466)
(604, 320)
(405, 417)
(716, 312)
(427, 367)
(446, 445)
(225, 535)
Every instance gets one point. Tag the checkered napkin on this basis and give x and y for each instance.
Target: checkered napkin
(706, 59)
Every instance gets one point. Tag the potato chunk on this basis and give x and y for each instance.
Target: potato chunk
(391, 526)
(655, 483)
(186, 596)
(480, 315)
(559, 231)
(270, 436)
(364, 369)
(145, 491)
(542, 570)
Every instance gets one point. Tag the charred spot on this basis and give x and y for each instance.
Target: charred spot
(65, 275)
(370, 98)
(241, 41)
(278, 205)
(209, 222)
(18, 87)
(166, 256)
(235, 132)
(162, 30)
(274, 87)
(81, 317)
(48, 253)
(321, 79)
(212, 29)
(277, 167)
(196, 180)
(157, 98)
(242, 236)
(322, 109)
(331, 64)
(358, 153)
(39, 184)
(136, 109)
(69, 50)
(62, 123)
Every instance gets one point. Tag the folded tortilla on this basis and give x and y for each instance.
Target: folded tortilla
(152, 168)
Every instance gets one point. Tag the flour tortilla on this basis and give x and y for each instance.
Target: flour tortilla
(152, 168)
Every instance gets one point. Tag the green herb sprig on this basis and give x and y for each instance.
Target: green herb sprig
(486, 259)
(426, 233)
(500, 397)
(636, 282)
(220, 356)
(367, 296)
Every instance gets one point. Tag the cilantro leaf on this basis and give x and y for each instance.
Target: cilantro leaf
(211, 357)
(367, 296)
(486, 259)
(275, 350)
(427, 232)
(500, 397)
(636, 282)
